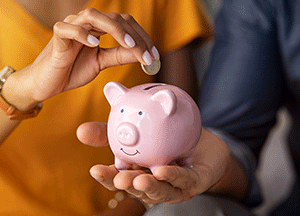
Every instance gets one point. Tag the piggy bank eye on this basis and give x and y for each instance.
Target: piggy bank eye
(122, 110)
(140, 113)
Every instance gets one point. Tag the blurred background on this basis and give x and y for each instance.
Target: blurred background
(275, 172)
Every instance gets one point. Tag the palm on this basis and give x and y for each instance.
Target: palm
(72, 68)
(171, 184)
(73, 58)
(85, 67)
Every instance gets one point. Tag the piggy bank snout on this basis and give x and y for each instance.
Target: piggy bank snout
(127, 133)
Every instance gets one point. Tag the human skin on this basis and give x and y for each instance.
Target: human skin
(214, 171)
(26, 96)
(151, 125)
(73, 58)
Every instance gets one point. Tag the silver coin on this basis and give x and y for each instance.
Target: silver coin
(153, 68)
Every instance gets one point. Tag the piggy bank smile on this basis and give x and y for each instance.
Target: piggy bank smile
(151, 125)
(136, 152)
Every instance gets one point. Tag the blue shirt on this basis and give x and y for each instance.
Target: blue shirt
(254, 71)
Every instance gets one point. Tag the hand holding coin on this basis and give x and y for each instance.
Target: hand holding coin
(153, 68)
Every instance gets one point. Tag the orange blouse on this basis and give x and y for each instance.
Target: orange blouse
(44, 169)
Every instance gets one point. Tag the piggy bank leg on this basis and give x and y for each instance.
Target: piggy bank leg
(121, 165)
(186, 161)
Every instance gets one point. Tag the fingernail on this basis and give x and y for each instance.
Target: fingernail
(162, 178)
(147, 58)
(155, 53)
(129, 40)
(93, 40)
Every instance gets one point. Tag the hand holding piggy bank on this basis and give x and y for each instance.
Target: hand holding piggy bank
(151, 125)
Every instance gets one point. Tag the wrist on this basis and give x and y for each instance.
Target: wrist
(16, 93)
(233, 183)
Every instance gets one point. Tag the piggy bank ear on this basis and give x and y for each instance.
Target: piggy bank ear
(114, 90)
(167, 99)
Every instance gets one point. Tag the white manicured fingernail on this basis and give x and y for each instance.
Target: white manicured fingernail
(93, 40)
(155, 53)
(147, 58)
(129, 40)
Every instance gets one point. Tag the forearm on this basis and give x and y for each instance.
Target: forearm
(14, 93)
(233, 184)
(6, 126)
(239, 180)
(229, 176)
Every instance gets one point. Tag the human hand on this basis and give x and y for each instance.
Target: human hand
(170, 184)
(73, 57)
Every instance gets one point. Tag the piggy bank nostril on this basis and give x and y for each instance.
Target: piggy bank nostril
(127, 133)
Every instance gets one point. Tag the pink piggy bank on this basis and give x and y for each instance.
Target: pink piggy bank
(151, 125)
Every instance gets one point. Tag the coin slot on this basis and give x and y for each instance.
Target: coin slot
(150, 87)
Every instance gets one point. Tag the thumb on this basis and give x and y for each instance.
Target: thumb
(93, 134)
(115, 56)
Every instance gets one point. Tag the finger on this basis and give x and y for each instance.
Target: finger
(115, 25)
(63, 30)
(143, 34)
(124, 181)
(70, 18)
(137, 167)
(99, 21)
(187, 179)
(143, 41)
(115, 56)
(158, 190)
(136, 193)
(104, 175)
(93, 134)
(150, 201)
